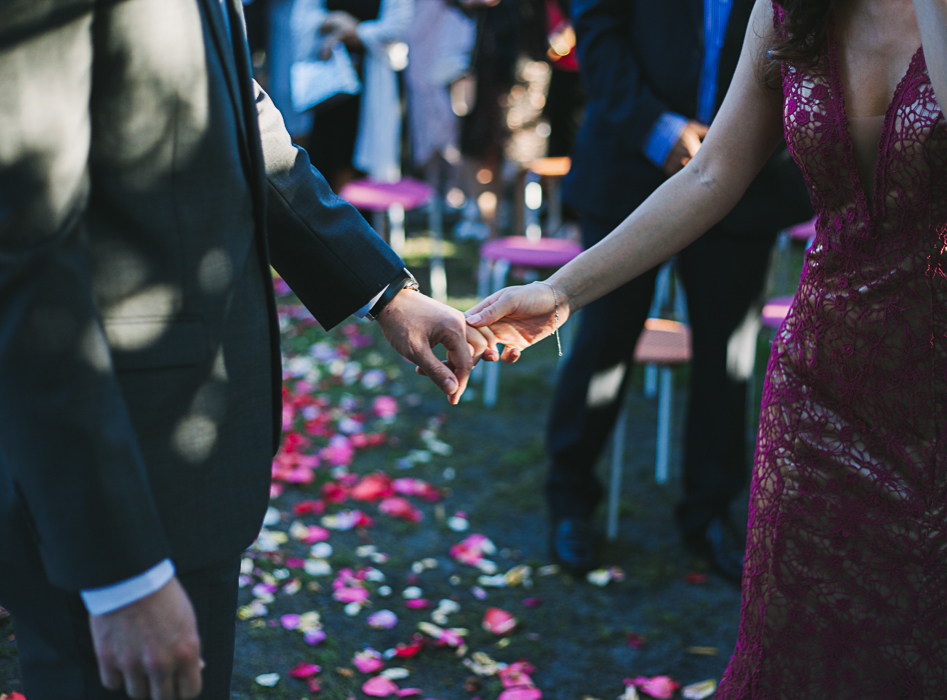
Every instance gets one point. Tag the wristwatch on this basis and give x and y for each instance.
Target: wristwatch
(404, 280)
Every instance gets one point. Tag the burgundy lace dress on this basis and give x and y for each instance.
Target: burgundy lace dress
(845, 587)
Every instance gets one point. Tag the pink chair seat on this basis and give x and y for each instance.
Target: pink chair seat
(663, 342)
(774, 312)
(521, 251)
(379, 196)
(802, 232)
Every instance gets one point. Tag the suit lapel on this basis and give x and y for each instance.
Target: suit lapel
(225, 51)
(247, 105)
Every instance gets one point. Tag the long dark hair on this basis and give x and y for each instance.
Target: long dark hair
(802, 37)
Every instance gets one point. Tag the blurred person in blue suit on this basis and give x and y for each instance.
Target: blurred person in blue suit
(655, 74)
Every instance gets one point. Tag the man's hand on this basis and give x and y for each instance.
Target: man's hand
(413, 324)
(150, 648)
(685, 148)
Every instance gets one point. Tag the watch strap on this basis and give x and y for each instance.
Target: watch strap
(404, 280)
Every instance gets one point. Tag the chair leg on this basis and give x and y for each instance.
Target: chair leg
(554, 213)
(491, 378)
(614, 487)
(533, 198)
(483, 291)
(436, 224)
(396, 218)
(664, 427)
(650, 380)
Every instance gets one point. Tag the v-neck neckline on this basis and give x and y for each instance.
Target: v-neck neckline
(873, 203)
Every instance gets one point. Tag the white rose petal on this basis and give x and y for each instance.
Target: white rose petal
(267, 680)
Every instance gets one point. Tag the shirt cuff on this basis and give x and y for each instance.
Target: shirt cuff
(100, 601)
(363, 312)
(663, 137)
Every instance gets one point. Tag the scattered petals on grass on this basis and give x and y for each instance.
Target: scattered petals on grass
(396, 674)
(379, 687)
(304, 670)
(699, 691)
(498, 621)
(602, 577)
(383, 620)
(525, 693)
(368, 661)
(267, 680)
(401, 508)
(660, 687)
(703, 651)
(472, 549)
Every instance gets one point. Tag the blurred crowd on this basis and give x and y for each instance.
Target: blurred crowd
(459, 93)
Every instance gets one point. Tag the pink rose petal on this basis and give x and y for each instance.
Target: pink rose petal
(379, 687)
(290, 622)
(304, 670)
(383, 619)
(372, 487)
(368, 661)
(661, 687)
(498, 621)
(523, 693)
(355, 594)
(314, 637)
(399, 507)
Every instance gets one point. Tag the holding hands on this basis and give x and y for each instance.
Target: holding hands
(518, 317)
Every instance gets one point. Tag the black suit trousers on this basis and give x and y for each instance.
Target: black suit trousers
(723, 275)
(56, 657)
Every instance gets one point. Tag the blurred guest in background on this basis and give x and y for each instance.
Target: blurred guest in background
(361, 132)
(655, 74)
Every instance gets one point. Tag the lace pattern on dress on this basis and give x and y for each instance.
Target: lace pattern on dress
(845, 585)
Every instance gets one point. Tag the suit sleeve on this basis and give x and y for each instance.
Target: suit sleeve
(67, 446)
(330, 256)
(610, 71)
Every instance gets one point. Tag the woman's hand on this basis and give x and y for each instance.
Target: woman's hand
(338, 26)
(521, 316)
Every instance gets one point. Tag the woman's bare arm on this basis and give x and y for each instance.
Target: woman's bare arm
(743, 136)
(932, 21)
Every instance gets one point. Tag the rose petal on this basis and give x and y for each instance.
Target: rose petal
(524, 693)
(498, 621)
(661, 687)
(379, 687)
(383, 619)
(304, 669)
(267, 680)
(368, 661)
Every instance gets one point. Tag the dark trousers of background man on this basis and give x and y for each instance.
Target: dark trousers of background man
(723, 275)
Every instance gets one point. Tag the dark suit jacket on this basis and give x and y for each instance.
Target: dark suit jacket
(639, 59)
(146, 182)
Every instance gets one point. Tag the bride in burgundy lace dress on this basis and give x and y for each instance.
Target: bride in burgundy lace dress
(845, 586)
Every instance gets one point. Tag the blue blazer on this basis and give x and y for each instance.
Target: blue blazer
(639, 59)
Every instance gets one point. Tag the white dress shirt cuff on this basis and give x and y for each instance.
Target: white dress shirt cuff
(100, 601)
(663, 137)
(362, 312)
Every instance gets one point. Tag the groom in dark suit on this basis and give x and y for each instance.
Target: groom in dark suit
(146, 185)
(655, 74)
